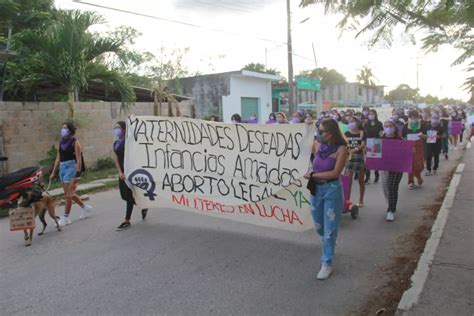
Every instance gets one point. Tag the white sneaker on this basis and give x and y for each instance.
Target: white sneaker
(325, 271)
(85, 211)
(63, 221)
(390, 216)
(411, 186)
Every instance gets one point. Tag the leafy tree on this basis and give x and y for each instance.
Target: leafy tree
(327, 76)
(15, 17)
(446, 22)
(429, 99)
(366, 76)
(68, 54)
(261, 68)
(402, 93)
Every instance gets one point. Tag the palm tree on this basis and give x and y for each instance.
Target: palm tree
(160, 93)
(366, 76)
(68, 54)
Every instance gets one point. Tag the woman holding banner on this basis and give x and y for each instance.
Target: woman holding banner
(416, 131)
(326, 189)
(356, 165)
(125, 192)
(373, 129)
(391, 179)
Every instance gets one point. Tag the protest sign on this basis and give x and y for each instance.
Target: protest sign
(22, 218)
(413, 137)
(374, 148)
(248, 173)
(432, 135)
(396, 155)
(456, 128)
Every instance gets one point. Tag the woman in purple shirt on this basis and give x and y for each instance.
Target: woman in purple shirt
(326, 189)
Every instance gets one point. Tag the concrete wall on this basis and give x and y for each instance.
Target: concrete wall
(28, 130)
(206, 93)
(251, 88)
(353, 93)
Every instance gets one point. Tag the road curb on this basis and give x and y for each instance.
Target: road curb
(411, 296)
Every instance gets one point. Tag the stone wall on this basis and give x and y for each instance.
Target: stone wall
(29, 129)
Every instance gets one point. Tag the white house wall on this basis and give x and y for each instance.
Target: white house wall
(247, 87)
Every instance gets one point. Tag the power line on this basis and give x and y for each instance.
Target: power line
(174, 21)
(223, 6)
(279, 44)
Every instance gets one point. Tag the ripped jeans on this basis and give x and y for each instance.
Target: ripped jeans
(326, 209)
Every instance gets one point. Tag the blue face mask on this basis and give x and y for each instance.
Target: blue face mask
(390, 131)
(352, 125)
(321, 139)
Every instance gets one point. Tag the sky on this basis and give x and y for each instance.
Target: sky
(227, 34)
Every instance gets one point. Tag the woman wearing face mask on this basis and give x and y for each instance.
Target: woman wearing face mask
(252, 119)
(433, 149)
(281, 118)
(69, 160)
(372, 129)
(415, 126)
(326, 190)
(445, 121)
(356, 165)
(235, 118)
(119, 158)
(297, 118)
(453, 139)
(271, 119)
(391, 179)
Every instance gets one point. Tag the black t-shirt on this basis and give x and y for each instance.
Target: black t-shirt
(439, 129)
(373, 131)
(355, 140)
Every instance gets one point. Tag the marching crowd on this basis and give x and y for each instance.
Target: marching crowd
(339, 149)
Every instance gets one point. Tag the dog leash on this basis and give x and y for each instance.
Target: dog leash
(47, 188)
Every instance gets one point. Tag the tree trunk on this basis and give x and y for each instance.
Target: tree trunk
(71, 104)
(170, 109)
(178, 111)
(155, 106)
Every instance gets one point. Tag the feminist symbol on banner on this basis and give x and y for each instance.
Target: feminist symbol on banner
(143, 180)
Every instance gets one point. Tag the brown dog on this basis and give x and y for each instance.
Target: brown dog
(40, 205)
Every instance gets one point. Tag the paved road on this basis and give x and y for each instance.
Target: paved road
(180, 263)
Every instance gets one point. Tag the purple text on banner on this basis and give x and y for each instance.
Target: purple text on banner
(456, 127)
(397, 155)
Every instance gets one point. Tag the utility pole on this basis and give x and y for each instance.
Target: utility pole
(291, 103)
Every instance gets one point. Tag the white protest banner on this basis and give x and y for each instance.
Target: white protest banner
(245, 172)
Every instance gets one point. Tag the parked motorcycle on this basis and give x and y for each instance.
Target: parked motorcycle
(13, 185)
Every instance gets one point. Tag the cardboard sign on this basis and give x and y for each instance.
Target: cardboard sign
(456, 128)
(396, 155)
(413, 137)
(244, 172)
(22, 218)
(432, 136)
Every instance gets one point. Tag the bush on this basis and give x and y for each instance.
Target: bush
(48, 163)
(105, 163)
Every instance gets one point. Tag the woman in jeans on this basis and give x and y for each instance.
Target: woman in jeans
(326, 189)
(69, 160)
(125, 192)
